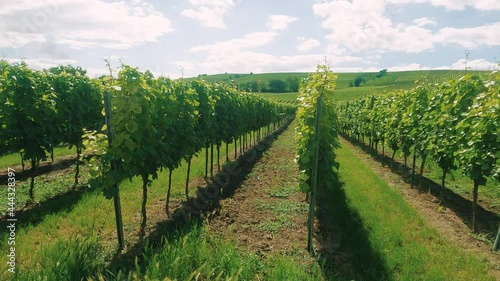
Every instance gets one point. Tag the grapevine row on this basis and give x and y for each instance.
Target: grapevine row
(316, 137)
(456, 123)
(40, 110)
(156, 122)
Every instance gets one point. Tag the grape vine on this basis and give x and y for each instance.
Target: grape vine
(455, 122)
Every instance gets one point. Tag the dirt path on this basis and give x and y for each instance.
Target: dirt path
(248, 170)
(268, 214)
(444, 220)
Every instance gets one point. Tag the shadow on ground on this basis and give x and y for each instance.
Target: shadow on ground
(35, 213)
(345, 252)
(204, 204)
(487, 221)
(45, 168)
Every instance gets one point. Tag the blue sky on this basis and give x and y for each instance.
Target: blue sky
(173, 37)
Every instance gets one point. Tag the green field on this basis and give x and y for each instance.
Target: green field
(391, 81)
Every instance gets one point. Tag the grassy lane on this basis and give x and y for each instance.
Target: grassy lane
(379, 224)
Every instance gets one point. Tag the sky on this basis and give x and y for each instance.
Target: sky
(186, 38)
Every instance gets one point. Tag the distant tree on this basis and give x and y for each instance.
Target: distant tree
(277, 86)
(358, 80)
(253, 86)
(382, 73)
(261, 85)
(250, 86)
(293, 84)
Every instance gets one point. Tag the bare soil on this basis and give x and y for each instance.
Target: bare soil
(268, 214)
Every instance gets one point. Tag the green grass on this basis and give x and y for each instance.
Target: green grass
(463, 185)
(406, 79)
(341, 94)
(282, 211)
(14, 159)
(46, 186)
(409, 249)
(188, 254)
(346, 94)
(69, 259)
(282, 206)
(197, 255)
(280, 96)
(283, 192)
(270, 226)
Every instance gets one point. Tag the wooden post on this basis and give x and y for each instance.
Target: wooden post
(314, 179)
(496, 245)
(413, 168)
(116, 197)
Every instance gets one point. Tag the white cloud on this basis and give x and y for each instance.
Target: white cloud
(10, 39)
(249, 41)
(209, 12)
(249, 61)
(359, 25)
(94, 72)
(81, 23)
(424, 21)
(411, 66)
(472, 37)
(354, 69)
(482, 5)
(239, 54)
(307, 45)
(479, 64)
(46, 63)
(42, 63)
(280, 22)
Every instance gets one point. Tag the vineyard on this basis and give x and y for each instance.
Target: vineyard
(194, 180)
